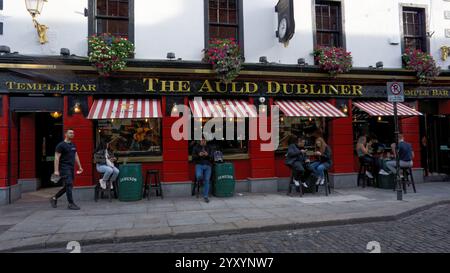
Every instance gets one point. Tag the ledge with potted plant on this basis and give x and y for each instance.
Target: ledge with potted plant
(108, 53)
(422, 63)
(334, 60)
(225, 57)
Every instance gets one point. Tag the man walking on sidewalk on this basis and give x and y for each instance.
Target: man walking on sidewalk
(65, 157)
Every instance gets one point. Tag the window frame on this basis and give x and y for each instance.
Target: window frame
(92, 18)
(341, 6)
(240, 25)
(423, 10)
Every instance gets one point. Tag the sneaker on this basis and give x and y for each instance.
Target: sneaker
(296, 183)
(206, 199)
(322, 181)
(305, 185)
(53, 202)
(383, 172)
(112, 185)
(102, 184)
(369, 175)
(73, 207)
(318, 181)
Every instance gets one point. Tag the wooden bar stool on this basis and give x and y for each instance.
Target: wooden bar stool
(152, 181)
(99, 191)
(407, 172)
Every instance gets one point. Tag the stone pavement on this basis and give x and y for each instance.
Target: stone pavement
(32, 223)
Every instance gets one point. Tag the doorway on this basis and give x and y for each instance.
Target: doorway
(49, 132)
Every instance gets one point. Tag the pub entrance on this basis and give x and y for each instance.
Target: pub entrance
(435, 139)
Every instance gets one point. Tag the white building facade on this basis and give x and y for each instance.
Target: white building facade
(372, 30)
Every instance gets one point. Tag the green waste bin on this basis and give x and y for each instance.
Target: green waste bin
(386, 181)
(130, 182)
(224, 182)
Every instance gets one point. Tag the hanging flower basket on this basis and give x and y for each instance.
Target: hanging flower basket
(108, 53)
(421, 62)
(225, 57)
(334, 60)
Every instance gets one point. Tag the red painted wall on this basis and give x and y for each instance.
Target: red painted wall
(27, 167)
(444, 107)
(281, 170)
(4, 142)
(84, 140)
(410, 127)
(340, 139)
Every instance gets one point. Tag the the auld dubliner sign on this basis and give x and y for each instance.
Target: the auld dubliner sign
(205, 87)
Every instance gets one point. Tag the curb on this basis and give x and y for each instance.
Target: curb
(203, 234)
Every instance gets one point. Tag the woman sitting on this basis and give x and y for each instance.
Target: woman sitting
(323, 162)
(296, 158)
(105, 164)
(364, 155)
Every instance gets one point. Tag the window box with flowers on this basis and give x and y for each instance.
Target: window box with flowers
(225, 57)
(422, 63)
(108, 53)
(334, 60)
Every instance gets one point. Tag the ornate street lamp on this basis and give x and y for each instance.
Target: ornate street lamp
(34, 7)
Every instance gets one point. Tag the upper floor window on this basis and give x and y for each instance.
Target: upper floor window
(112, 16)
(224, 20)
(414, 29)
(328, 23)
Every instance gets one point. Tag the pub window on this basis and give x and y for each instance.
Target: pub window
(309, 128)
(132, 137)
(224, 20)
(414, 29)
(238, 145)
(112, 16)
(328, 23)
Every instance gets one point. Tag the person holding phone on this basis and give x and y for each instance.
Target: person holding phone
(323, 162)
(296, 159)
(65, 157)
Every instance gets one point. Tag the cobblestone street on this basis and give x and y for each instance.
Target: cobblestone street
(427, 231)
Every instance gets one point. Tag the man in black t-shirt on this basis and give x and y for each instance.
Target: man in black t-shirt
(65, 157)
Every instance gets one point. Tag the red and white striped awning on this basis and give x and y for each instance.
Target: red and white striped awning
(292, 108)
(125, 109)
(384, 108)
(212, 108)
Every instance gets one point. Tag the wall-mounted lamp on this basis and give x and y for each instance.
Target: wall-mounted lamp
(56, 115)
(77, 108)
(65, 52)
(34, 7)
(301, 61)
(379, 65)
(171, 56)
(4, 50)
(174, 108)
(380, 118)
(263, 60)
(344, 108)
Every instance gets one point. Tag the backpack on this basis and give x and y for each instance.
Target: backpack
(218, 156)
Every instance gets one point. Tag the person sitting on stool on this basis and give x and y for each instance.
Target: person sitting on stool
(296, 158)
(202, 156)
(323, 152)
(105, 164)
(405, 153)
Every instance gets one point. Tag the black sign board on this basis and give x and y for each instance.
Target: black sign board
(286, 22)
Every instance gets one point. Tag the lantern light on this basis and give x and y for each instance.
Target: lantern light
(77, 108)
(56, 114)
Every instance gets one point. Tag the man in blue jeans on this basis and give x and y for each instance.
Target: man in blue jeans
(202, 157)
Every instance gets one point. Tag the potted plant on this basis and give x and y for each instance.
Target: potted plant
(422, 63)
(225, 57)
(333, 60)
(108, 53)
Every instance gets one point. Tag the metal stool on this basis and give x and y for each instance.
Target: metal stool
(407, 172)
(99, 191)
(326, 184)
(292, 185)
(148, 185)
(363, 168)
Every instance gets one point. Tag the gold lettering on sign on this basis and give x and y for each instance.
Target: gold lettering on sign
(150, 84)
(357, 90)
(206, 86)
(249, 89)
(270, 89)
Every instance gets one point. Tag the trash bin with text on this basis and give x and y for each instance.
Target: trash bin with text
(130, 182)
(224, 182)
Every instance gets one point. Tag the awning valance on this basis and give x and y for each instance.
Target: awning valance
(384, 108)
(293, 108)
(125, 109)
(222, 108)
